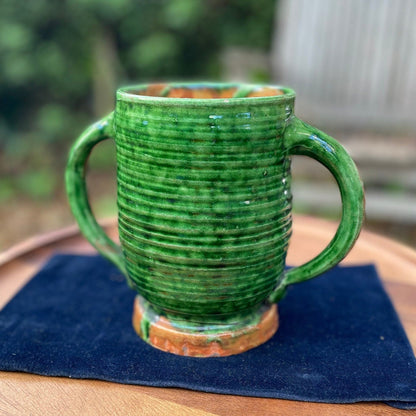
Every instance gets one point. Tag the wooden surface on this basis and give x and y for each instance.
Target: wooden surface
(24, 394)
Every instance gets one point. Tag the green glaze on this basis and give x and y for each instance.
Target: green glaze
(230, 324)
(204, 198)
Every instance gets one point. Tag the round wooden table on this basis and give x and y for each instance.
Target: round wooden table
(24, 394)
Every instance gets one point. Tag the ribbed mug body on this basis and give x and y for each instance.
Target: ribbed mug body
(204, 202)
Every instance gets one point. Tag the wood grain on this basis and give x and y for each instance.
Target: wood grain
(22, 394)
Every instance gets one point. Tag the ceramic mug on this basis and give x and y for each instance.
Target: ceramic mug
(204, 208)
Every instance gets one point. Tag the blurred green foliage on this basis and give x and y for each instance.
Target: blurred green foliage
(61, 60)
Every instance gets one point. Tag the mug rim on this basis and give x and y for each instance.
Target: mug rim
(131, 93)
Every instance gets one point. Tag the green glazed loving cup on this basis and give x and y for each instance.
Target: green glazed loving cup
(204, 208)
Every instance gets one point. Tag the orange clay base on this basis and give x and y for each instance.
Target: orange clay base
(212, 341)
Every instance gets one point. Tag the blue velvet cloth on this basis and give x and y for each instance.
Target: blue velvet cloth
(339, 340)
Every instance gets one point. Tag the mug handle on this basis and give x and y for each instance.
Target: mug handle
(302, 139)
(76, 189)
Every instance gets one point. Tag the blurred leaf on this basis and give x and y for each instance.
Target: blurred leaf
(259, 77)
(154, 51)
(51, 60)
(37, 184)
(7, 190)
(183, 14)
(109, 9)
(14, 36)
(53, 119)
(104, 156)
(106, 206)
(4, 132)
(17, 68)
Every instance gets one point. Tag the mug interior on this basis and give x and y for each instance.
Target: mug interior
(206, 91)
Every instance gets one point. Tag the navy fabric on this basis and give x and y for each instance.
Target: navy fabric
(339, 340)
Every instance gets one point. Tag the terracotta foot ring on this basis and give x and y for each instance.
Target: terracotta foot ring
(163, 334)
